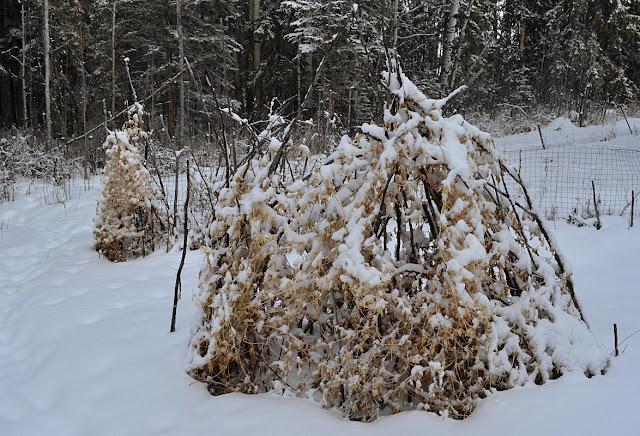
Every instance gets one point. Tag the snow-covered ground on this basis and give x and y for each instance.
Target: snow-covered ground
(85, 347)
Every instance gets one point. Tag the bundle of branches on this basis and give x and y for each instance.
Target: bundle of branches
(127, 224)
(401, 275)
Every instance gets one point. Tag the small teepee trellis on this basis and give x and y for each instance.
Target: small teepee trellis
(127, 223)
(400, 275)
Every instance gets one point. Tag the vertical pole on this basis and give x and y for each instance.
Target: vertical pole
(595, 206)
(23, 68)
(541, 140)
(254, 16)
(178, 289)
(395, 28)
(113, 59)
(47, 74)
(615, 337)
(181, 78)
(84, 105)
(633, 201)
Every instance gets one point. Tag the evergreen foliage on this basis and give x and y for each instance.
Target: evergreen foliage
(400, 275)
(541, 55)
(127, 224)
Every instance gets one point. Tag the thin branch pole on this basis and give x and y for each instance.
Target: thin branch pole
(541, 140)
(133, 89)
(615, 338)
(113, 60)
(228, 150)
(175, 192)
(178, 289)
(595, 206)
(633, 201)
(625, 118)
(181, 78)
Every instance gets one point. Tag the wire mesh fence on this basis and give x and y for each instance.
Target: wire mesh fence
(561, 180)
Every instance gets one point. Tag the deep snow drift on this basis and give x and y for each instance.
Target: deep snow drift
(85, 346)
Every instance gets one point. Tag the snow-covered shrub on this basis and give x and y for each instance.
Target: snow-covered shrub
(400, 275)
(127, 223)
(23, 156)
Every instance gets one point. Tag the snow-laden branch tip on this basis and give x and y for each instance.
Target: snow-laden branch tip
(234, 116)
(442, 102)
(180, 152)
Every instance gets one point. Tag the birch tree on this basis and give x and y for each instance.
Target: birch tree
(449, 37)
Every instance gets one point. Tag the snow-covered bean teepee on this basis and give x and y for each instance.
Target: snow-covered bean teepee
(400, 275)
(126, 223)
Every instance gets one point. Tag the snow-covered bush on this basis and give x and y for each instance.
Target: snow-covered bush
(127, 223)
(23, 156)
(400, 275)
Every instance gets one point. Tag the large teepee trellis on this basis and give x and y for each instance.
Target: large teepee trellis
(400, 275)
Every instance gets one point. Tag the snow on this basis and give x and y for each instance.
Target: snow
(85, 346)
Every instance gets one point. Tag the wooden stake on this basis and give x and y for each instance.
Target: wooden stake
(595, 206)
(615, 337)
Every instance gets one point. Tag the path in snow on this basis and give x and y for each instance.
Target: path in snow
(85, 347)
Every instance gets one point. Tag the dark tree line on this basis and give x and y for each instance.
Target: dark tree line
(546, 55)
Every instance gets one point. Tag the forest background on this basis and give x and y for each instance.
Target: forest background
(63, 69)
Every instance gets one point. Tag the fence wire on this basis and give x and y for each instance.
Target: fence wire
(559, 179)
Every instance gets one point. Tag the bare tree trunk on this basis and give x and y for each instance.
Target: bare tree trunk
(254, 16)
(181, 79)
(84, 106)
(113, 59)
(523, 32)
(448, 42)
(47, 74)
(456, 59)
(395, 27)
(23, 70)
